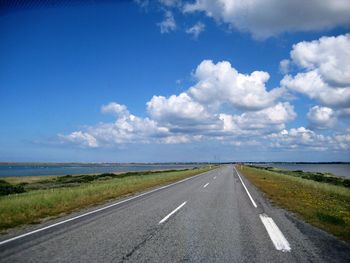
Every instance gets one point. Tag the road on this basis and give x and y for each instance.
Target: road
(217, 216)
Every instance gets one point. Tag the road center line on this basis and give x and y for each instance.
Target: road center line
(276, 236)
(95, 211)
(205, 185)
(173, 212)
(250, 197)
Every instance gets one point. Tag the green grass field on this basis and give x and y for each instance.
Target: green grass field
(322, 204)
(34, 206)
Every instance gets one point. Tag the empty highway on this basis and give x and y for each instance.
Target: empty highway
(217, 216)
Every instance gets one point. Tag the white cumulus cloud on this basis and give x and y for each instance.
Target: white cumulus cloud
(252, 122)
(81, 138)
(221, 83)
(115, 108)
(271, 17)
(168, 24)
(321, 117)
(325, 68)
(307, 139)
(176, 108)
(284, 66)
(329, 56)
(196, 29)
(127, 128)
(343, 140)
(312, 85)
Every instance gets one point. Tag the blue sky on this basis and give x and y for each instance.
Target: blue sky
(144, 81)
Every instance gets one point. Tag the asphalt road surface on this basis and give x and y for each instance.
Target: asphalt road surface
(217, 216)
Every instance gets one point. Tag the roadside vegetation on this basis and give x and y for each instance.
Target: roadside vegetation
(42, 197)
(6, 188)
(319, 201)
(315, 176)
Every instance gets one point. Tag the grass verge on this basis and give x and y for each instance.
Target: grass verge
(36, 205)
(315, 176)
(324, 205)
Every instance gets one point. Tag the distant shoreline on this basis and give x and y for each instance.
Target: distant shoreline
(153, 163)
(43, 169)
(97, 163)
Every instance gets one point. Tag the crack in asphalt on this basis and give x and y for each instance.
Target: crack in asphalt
(153, 232)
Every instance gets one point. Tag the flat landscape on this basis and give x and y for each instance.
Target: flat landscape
(217, 215)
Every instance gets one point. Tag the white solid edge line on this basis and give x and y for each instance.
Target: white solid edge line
(276, 236)
(250, 197)
(205, 185)
(173, 212)
(95, 211)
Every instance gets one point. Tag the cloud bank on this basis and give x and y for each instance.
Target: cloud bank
(271, 17)
(231, 107)
(324, 76)
(261, 19)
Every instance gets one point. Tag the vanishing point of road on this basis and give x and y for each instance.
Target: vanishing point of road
(217, 216)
